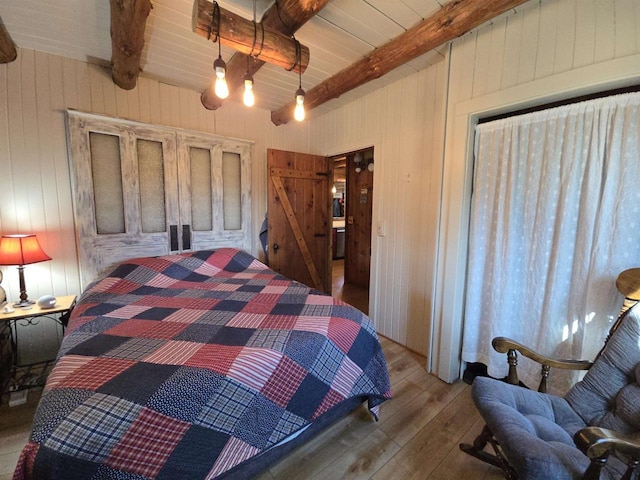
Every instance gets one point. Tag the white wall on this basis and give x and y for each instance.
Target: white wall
(35, 188)
(404, 122)
(550, 50)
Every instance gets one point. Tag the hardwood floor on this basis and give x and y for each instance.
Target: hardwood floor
(416, 437)
(352, 294)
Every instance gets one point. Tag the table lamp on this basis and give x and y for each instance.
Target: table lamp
(21, 250)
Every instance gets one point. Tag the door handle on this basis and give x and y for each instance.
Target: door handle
(275, 247)
(173, 230)
(186, 237)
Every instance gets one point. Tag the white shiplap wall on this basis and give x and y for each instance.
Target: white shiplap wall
(404, 122)
(547, 51)
(35, 188)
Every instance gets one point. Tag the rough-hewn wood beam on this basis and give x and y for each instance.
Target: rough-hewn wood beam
(240, 34)
(291, 16)
(128, 20)
(448, 23)
(8, 52)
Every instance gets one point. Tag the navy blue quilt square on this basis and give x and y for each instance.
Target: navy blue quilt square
(47, 465)
(177, 271)
(308, 397)
(98, 345)
(148, 290)
(362, 349)
(303, 347)
(196, 277)
(250, 288)
(198, 332)
(192, 457)
(230, 305)
(101, 309)
(156, 313)
(232, 336)
(138, 382)
(258, 421)
(171, 400)
(287, 309)
(123, 270)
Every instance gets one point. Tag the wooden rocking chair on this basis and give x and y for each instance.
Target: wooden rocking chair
(592, 433)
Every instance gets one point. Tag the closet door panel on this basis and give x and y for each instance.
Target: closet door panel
(214, 178)
(125, 181)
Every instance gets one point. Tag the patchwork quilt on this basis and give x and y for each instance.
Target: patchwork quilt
(185, 366)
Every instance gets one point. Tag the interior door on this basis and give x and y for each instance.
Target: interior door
(357, 252)
(299, 217)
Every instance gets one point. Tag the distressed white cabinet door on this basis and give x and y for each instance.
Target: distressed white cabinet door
(126, 191)
(214, 176)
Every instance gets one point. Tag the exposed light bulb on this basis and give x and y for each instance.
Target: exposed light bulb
(334, 190)
(248, 97)
(298, 113)
(221, 88)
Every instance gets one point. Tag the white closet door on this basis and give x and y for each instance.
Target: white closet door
(126, 191)
(214, 178)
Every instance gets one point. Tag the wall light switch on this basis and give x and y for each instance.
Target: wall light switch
(382, 228)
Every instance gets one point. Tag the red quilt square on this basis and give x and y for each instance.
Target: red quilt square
(147, 444)
(147, 329)
(95, 373)
(279, 322)
(261, 303)
(284, 382)
(218, 358)
(331, 399)
(343, 332)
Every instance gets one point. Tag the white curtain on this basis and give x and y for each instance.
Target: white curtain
(555, 217)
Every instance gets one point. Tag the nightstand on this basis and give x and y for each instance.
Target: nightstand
(25, 376)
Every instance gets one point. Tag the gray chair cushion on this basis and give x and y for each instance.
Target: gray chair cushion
(609, 394)
(536, 430)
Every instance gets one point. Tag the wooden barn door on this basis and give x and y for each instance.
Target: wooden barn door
(299, 212)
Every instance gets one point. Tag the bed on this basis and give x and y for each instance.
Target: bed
(199, 365)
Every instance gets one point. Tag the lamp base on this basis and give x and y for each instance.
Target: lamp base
(24, 304)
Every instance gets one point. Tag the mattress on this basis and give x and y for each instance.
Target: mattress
(194, 365)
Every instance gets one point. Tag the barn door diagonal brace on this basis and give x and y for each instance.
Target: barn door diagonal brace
(297, 232)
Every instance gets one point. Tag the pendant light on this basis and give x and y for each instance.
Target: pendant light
(248, 98)
(219, 66)
(221, 88)
(298, 112)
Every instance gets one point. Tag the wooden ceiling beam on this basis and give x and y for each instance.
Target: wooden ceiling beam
(8, 51)
(448, 23)
(291, 16)
(246, 37)
(128, 20)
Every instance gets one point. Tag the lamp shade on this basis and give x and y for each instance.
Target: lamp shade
(21, 250)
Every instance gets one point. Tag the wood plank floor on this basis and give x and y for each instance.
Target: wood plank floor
(416, 437)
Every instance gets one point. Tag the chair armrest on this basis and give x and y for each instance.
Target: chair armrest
(596, 442)
(510, 347)
(503, 345)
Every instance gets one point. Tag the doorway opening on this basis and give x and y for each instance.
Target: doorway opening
(352, 210)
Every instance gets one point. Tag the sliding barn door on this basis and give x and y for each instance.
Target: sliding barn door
(299, 212)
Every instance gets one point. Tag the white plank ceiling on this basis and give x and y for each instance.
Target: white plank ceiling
(342, 33)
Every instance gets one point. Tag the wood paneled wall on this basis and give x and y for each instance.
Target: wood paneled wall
(550, 50)
(35, 188)
(404, 122)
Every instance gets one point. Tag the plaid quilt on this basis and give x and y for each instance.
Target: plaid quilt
(185, 366)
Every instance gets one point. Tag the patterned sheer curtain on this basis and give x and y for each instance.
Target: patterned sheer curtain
(555, 218)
